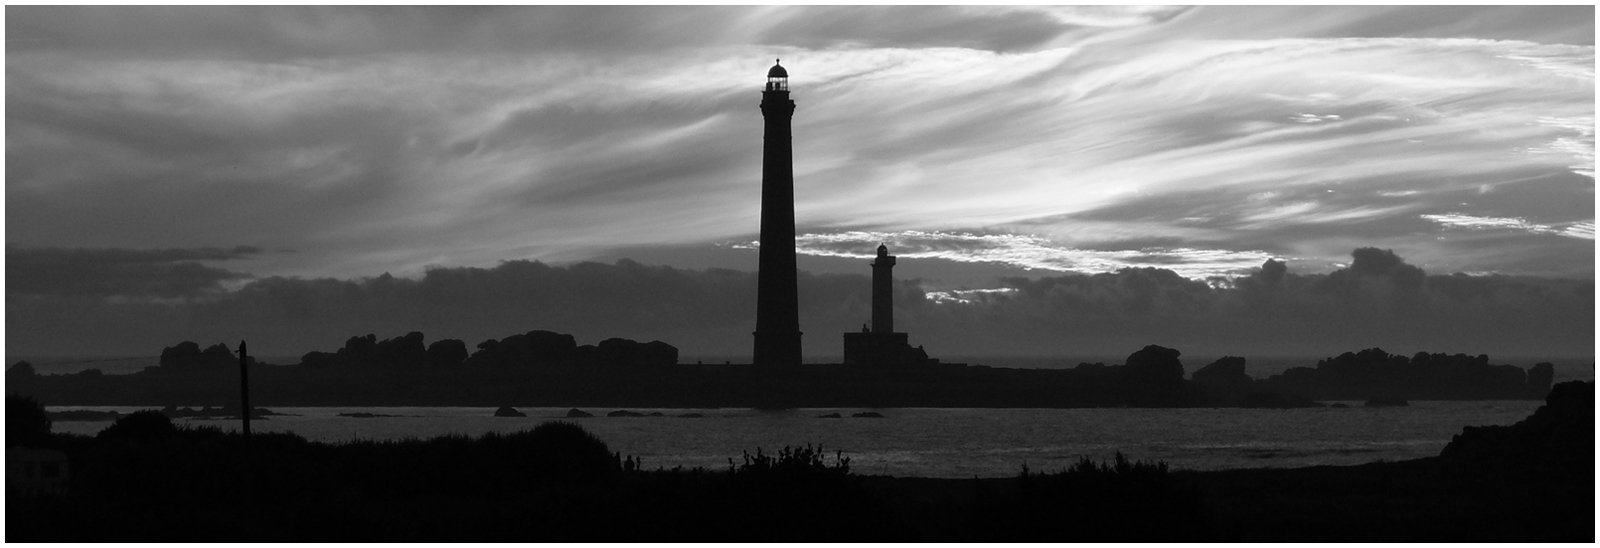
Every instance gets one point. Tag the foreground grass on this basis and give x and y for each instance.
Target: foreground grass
(144, 480)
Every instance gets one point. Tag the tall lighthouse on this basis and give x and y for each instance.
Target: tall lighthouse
(777, 295)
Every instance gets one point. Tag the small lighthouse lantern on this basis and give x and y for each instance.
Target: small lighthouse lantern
(777, 78)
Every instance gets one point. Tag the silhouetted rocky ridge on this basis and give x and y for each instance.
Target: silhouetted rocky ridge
(543, 368)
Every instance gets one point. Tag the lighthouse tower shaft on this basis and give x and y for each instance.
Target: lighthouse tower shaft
(883, 292)
(777, 300)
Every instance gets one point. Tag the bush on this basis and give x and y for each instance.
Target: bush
(27, 425)
(566, 450)
(146, 425)
(1118, 501)
(799, 462)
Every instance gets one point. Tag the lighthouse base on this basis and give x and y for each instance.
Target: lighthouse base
(869, 348)
(777, 348)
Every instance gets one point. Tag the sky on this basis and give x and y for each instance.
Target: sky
(166, 163)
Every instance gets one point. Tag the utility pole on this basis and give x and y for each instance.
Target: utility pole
(248, 475)
(244, 389)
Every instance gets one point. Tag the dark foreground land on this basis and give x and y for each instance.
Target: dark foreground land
(144, 480)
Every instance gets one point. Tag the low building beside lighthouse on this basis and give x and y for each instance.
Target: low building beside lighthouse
(880, 344)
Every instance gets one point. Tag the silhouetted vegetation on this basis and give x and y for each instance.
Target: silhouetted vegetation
(145, 480)
(27, 425)
(1529, 482)
(20, 371)
(794, 464)
(131, 480)
(140, 426)
(1119, 501)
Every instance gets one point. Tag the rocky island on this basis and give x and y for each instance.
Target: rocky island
(546, 369)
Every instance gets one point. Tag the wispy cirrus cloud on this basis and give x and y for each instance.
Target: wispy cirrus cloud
(387, 139)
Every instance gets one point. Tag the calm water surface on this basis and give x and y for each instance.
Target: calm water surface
(948, 443)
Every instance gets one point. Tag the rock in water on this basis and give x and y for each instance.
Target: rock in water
(576, 413)
(868, 415)
(508, 411)
(1156, 364)
(623, 413)
(830, 416)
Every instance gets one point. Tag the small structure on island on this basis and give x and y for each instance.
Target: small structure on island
(880, 344)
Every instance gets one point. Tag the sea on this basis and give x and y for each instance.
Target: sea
(1260, 367)
(938, 442)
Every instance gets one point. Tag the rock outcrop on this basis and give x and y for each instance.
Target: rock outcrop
(1224, 380)
(1227, 371)
(1559, 436)
(1155, 364)
(1423, 376)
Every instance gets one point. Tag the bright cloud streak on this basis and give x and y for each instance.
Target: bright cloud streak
(1024, 251)
(1582, 230)
(960, 296)
(1580, 147)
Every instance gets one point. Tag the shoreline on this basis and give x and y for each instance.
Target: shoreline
(560, 483)
(1189, 439)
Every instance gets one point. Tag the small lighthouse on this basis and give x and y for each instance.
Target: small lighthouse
(777, 292)
(881, 345)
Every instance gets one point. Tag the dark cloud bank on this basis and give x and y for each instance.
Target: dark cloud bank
(125, 302)
(160, 273)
